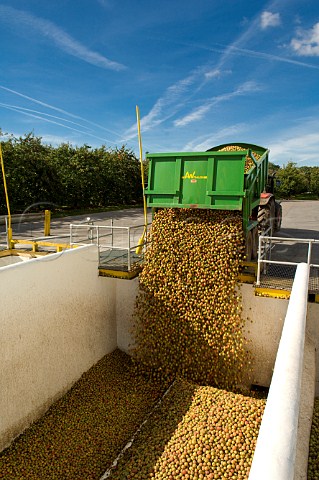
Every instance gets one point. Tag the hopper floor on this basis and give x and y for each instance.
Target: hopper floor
(82, 433)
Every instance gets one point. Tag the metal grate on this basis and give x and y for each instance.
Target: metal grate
(278, 276)
(116, 244)
(278, 258)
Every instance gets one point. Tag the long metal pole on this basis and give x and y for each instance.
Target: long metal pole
(129, 249)
(259, 261)
(112, 230)
(142, 239)
(7, 200)
(309, 252)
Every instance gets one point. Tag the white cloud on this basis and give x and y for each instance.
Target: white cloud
(232, 50)
(268, 19)
(196, 114)
(169, 103)
(62, 39)
(306, 42)
(215, 73)
(201, 111)
(57, 109)
(299, 144)
(43, 118)
(29, 110)
(204, 142)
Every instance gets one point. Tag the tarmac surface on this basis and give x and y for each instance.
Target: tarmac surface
(300, 222)
(300, 219)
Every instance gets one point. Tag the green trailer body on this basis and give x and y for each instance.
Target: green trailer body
(213, 179)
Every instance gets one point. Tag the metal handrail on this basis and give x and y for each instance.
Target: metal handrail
(274, 240)
(97, 239)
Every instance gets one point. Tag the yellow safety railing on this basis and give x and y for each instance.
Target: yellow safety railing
(35, 244)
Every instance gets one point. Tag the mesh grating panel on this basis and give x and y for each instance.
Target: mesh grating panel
(280, 277)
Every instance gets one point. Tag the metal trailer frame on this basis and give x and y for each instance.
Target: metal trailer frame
(209, 180)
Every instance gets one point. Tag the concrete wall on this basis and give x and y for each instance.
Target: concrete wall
(263, 330)
(313, 334)
(58, 318)
(264, 321)
(126, 292)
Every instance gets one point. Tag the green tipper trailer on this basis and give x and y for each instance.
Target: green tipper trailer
(218, 180)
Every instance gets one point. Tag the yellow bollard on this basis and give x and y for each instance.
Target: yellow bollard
(47, 223)
(10, 242)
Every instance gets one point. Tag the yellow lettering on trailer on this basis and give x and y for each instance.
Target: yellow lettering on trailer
(193, 175)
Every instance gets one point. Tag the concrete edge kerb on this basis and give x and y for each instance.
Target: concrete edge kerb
(48, 258)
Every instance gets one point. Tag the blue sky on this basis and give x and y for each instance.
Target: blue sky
(202, 72)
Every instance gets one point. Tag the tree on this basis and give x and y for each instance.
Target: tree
(273, 168)
(30, 179)
(314, 180)
(306, 172)
(292, 180)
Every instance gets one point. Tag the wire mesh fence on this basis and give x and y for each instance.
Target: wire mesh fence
(278, 258)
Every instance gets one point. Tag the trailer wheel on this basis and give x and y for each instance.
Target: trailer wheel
(266, 218)
(251, 251)
(249, 247)
(255, 243)
(278, 214)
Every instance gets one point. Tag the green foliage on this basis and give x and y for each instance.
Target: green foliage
(298, 182)
(314, 181)
(30, 178)
(273, 168)
(72, 177)
(40, 175)
(292, 180)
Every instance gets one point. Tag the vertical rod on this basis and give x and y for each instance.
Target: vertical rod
(98, 243)
(112, 230)
(259, 261)
(129, 249)
(98, 235)
(9, 229)
(309, 252)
